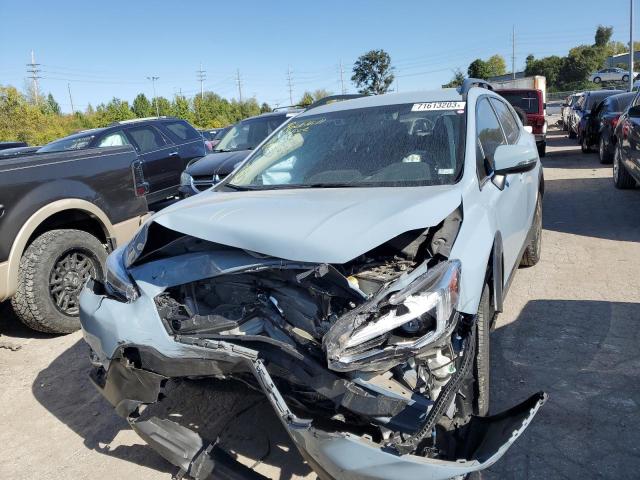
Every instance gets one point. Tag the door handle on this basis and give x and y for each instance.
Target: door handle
(173, 154)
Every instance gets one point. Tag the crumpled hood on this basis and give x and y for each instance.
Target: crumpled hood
(310, 225)
(217, 163)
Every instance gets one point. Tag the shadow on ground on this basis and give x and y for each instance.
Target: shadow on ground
(241, 417)
(576, 206)
(585, 355)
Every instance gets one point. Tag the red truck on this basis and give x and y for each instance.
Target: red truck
(531, 101)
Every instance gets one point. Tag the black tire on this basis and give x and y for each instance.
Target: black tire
(603, 152)
(542, 150)
(531, 255)
(584, 144)
(56, 264)
(622, 179)
(482, 367)
(625, 78)
(597, 80)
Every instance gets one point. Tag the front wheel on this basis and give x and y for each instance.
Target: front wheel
(53, 270)
(597, 80)
(625, 78)
(482, 368)
(622, 179)
(531, 255)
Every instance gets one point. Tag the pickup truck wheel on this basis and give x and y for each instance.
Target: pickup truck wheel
(52, 272)
(622, 179)
(482, 370)
(531, 254)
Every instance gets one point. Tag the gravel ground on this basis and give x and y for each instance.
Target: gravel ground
(570, 328)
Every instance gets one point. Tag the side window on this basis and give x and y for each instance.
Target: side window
(147, 139)
(181, 131)
(114, 139)
(636, 100)
(509, 124)
(490, 136)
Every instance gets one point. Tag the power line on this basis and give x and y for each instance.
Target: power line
(201, 75)
(153, 81)
(290, 84)
(34, 70)
(239, 82)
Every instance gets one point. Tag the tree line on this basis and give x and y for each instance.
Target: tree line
(563, 73)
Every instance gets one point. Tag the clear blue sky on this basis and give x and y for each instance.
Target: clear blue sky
(107, 49)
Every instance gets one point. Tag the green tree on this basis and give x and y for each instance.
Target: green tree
(306, 100)
(320, 93)
(492, 67)
(114, 111)
(265, 108)
(580, 63)
(164, 107)
(142, 106)
(181, 108)
(549, 67)
(603, 36)
(372, 72)
(456, 81)
(50, 105)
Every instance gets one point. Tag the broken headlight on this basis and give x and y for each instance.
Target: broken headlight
(118, 283)
(398, 323)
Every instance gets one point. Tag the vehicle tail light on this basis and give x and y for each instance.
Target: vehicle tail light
(614, 122)
(140, 186)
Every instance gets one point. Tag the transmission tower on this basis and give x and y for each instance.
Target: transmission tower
(201, 75)
(33, 68)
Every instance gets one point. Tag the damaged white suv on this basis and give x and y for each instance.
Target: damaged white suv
(351, 270)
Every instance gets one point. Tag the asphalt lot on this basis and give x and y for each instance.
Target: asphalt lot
(570, 327)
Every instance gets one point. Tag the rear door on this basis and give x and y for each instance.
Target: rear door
(190, 143)
(158, 155)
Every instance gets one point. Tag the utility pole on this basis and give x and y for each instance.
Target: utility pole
(342, 78)
(34, 70)
(239, 82)
(201, 76)
(631, 59)
(153, 81)
(513, 53)
(290, 85)
(70, 98)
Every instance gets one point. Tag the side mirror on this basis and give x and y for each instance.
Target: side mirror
(514, 159)
(528, 128)
(634, 111)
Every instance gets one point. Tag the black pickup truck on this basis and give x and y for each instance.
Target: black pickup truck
(164, 145)
(60, 214)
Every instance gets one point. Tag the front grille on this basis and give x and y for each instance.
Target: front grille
(204, 182)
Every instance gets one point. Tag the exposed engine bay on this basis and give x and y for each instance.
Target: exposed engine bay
(391, 351)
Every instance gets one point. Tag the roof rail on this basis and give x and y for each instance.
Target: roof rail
(335, 98)
(135, 120)
(473, 82)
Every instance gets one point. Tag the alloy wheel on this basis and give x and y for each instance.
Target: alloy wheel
(69, 274)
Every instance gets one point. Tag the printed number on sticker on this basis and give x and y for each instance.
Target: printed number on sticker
(428, 106)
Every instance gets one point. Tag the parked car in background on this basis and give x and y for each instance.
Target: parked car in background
(232, 149)
(207, 135)
(8, 152)
(626, 159)
(354, 264)
(6, 145)
(218, 136)
(164, 147)
(585, 104)
(532, 103)
(572, 116)
(60, 214)
(601, 123)
(613, 74)
(565, 109)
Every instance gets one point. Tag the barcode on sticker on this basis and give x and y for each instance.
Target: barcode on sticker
(428, 106)
(445, 171)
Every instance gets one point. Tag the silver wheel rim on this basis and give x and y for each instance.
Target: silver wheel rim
(616, 166)
(601, 150)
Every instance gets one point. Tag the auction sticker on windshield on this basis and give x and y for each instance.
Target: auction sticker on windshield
(429, 106)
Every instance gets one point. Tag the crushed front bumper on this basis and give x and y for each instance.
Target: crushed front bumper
(134, 357)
